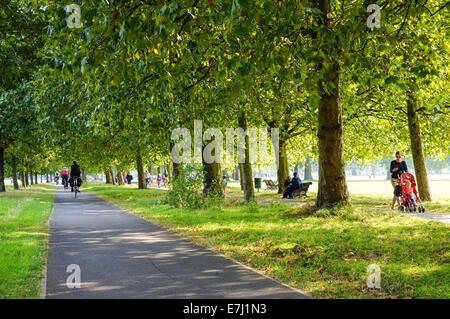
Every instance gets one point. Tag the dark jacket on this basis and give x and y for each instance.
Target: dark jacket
(75, 171)
(296, 182)
(402, 168)
(287, 182)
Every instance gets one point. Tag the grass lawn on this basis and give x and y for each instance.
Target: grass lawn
(23, 240)
(324, 256)
(374, 194)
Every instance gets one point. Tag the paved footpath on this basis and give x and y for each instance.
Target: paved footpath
(121, 255)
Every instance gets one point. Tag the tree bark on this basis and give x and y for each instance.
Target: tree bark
(2, 169)
(247, 176)
(332, 187)
(140, 169)
(241, 173)
(23, 177)
(113, 178)
(283, 168)
(14, 172)
(417, 148)
(31, 176)
(308, 170)
(108, 176)
(121, 181)
(213, 175)
(83, 174)
(35, 178)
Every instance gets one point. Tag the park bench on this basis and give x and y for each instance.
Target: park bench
(303, 190)
(270, 184)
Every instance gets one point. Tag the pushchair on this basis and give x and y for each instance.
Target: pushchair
(410, 199)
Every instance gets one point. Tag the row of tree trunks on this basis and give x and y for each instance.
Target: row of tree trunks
(247, 176)
(417, 147)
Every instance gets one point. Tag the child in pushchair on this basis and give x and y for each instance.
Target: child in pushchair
(410, 199)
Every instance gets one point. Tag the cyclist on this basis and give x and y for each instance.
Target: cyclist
(64, 176)
(75, 173)
(56, 177)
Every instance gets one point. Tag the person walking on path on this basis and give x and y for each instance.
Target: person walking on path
(158, 180)
(129, 178)
(224, 183)
(398, 167)
(147, 178)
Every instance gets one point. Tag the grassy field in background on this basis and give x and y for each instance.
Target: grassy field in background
(23, 240)
(324, 256)
(374, 194)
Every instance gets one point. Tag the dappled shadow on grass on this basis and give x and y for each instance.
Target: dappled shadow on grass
(332, 252)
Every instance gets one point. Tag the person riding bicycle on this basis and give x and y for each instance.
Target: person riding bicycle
(75, 173)
(56, 177)
(64, 176)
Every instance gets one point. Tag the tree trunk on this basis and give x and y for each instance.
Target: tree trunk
(23, 177)
(213, 175)
(121, 181)
(308, 170)
(140, 169)
(2, 170)
(176, 170)
(283, 168)
(417, 148)
(169, 171)
(332, 187)
(150, 169)
(108, 176)
(241, 173)
(14, 172)
(113, 178)
(158, 170)
(35, 178)
(31, 177)
(83, 174)
(247, 176)
(46, 175)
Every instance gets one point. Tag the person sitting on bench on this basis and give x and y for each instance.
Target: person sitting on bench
(294, 185)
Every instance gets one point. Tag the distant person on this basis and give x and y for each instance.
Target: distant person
(57, 178)
(147, 178)
(129, 178)
(287, 182)
(64, 176)
(294, 185)
(398, 167)
(165, 178)
(224, 183)
(158, 180)
(75, 173)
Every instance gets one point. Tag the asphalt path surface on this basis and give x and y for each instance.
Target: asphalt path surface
(121, 255)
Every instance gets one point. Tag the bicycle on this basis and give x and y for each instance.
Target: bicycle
(65, 182)
(75, 186)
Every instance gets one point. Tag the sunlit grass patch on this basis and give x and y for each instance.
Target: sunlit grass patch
(23, 240)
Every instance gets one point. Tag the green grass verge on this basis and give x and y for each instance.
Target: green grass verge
(23, 240)
(324, 256)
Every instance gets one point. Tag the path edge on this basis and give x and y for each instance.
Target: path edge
(44, 269)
